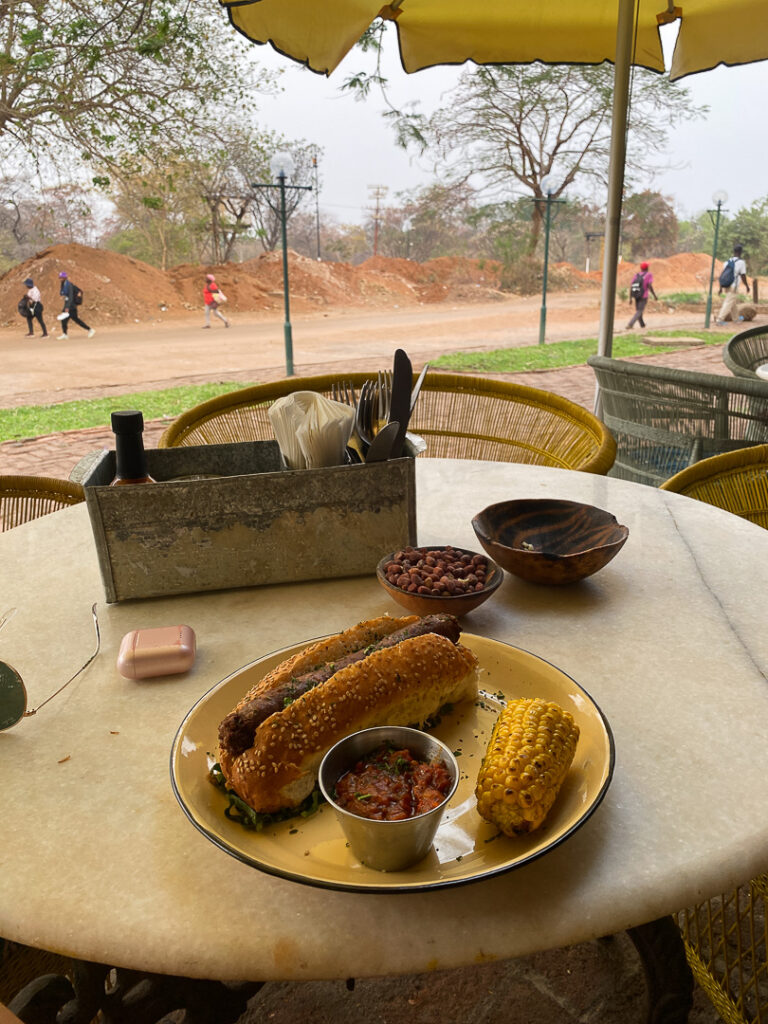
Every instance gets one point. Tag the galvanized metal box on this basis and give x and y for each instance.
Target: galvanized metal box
(251, 524)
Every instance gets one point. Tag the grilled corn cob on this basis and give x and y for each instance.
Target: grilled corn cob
(528, 756)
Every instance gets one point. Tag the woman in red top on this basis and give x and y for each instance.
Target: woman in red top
(211, 305)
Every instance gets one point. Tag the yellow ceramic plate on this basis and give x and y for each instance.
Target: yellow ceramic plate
(313, 850)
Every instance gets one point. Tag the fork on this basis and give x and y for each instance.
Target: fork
(344, 392)
(383, 398)
(362, 416)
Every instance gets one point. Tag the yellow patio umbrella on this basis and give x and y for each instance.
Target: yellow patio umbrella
(319, 33)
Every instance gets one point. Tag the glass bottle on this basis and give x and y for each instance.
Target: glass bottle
(131, 458)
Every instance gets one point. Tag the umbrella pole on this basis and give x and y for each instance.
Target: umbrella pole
(624, 38)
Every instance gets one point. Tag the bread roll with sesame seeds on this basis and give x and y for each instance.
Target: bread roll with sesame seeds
(400, 685)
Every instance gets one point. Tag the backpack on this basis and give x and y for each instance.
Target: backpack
(77, 295)
(728, 273)
(636, 288)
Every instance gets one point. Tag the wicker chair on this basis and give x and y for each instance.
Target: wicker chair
(665, 420)
(736, 481)
(745, 351)
(726, 937)
(460, 417)
(23, 498)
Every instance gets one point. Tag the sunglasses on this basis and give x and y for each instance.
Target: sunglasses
(13, 693)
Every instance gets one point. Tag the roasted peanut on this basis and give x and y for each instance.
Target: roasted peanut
(437, 571)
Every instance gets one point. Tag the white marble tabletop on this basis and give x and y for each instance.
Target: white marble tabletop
(98, 861)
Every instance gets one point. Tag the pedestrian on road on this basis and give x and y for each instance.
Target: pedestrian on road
(34, 309)
(642, 284)
(731, 300)
(72, 298)
(212, 297)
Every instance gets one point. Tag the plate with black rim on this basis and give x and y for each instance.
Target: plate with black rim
(312, 850)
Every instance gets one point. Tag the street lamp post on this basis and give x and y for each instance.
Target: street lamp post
(718, 198)
(547, 187)
(282, 167)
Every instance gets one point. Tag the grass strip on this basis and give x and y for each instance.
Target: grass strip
(556, 354)
(36, 420)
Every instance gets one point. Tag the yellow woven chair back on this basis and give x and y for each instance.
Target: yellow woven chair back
(736, 481)
(23, 498)
(459, 417)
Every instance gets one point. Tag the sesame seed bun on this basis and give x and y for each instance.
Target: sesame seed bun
(400, 685)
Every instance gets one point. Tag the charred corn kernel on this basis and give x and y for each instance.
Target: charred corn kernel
(528, 756)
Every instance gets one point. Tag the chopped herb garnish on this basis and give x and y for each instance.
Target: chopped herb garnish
(238, 810)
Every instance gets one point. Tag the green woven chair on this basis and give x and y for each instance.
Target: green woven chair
(459, 417)
(23, 498)
(665, 419)
(726, 938)
(746, 351)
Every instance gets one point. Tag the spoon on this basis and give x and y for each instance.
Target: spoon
(381, 445)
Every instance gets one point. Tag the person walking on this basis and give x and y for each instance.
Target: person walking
(69, 293)
(212, 297)
(34, 309)
(734, 270)
(642, 284)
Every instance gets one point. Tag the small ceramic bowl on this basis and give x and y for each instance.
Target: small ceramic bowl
(544, 540)
(437, 604)
(386, 845)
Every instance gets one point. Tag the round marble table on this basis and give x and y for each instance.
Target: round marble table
(99, 861)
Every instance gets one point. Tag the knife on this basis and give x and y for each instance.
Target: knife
(417, 385)
(400, 402)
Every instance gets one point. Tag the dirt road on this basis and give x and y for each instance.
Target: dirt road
(153, 355)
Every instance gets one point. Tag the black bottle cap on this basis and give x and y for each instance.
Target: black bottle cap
(129, 422)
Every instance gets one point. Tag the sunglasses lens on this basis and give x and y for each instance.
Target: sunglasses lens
(13, 696)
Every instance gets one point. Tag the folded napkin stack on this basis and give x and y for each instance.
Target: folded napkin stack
(312, 430)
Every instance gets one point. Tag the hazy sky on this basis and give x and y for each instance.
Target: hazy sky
(722, 151)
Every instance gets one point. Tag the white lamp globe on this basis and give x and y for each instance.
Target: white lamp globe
(282, 165)
(548, 184)
(720, 197)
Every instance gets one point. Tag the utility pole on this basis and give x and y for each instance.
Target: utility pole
(589, 235)
(317, 201)
(376, 193)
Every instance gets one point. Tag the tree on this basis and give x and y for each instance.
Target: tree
(116, 75)
(649, 226)
(515, 125)
(197, 202)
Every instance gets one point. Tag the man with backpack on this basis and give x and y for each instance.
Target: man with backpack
(642, 284)
(731, 276)
(73, 297)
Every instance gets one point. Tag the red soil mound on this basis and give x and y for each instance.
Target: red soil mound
(119, 289)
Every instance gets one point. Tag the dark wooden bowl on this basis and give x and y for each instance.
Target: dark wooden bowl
(428, 604)
(546, 540)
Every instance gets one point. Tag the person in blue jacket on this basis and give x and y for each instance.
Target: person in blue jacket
(67, 292)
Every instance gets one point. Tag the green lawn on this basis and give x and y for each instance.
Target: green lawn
(563, 353)
(35, 420)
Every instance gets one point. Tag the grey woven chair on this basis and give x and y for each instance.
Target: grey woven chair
(746, 351)
(664, 420)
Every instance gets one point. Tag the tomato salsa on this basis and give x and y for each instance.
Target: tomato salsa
(389, 784)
